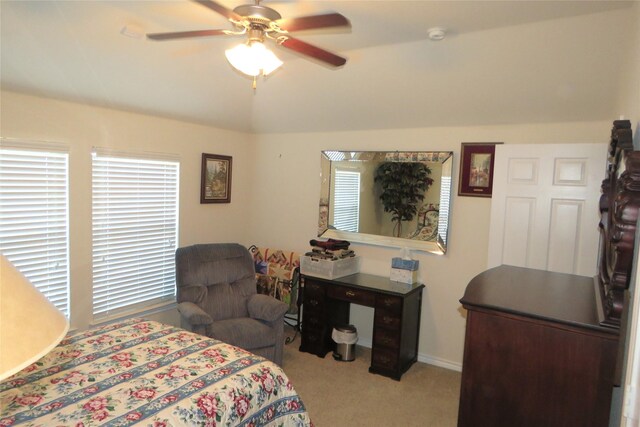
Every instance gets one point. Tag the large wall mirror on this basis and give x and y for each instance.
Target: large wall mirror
(398, 198)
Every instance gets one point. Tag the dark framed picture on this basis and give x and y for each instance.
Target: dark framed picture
(476, 169)
(215, 185)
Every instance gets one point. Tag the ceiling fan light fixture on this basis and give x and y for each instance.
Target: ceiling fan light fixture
(253, 59)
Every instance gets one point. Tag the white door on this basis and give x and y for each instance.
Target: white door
(544, 208)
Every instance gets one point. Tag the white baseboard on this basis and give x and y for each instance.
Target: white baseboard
(424, 358)
(442, 363)
(364, 342)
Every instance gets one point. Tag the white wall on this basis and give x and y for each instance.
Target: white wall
(629, 90)
(83, 127)
(275, 193)
(285, 197)
(630, 108)
(634, 88)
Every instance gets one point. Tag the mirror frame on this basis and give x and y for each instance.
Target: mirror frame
(438, 247)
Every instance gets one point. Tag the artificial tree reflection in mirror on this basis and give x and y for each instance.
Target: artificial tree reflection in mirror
(402, 186)
(387, 198)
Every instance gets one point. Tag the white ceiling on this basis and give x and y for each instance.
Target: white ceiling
(501, 62)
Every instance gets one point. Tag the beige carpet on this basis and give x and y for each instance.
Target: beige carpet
(345, 393)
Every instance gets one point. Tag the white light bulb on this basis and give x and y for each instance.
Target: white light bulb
(253, 59)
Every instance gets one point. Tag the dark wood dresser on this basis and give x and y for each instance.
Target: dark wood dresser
(396, 327)
(535, 353)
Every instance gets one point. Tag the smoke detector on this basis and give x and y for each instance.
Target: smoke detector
(436, 34)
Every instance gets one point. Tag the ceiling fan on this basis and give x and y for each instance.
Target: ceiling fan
(260, 23)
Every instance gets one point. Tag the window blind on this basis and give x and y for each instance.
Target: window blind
(346, 203)
(335, 156)
(34, 219)
(443, 215)
(135, 232)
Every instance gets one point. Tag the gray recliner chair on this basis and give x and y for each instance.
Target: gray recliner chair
(217, 297)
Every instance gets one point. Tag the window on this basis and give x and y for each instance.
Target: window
(135, 232)
(346, 204)
(34, 217)
(443, 215)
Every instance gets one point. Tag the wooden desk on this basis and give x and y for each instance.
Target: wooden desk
(396, 324)
(535, 353)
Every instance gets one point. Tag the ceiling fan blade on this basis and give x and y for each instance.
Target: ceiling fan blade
(313, 51)
(313, 22)
(217, 7)
(185, 34)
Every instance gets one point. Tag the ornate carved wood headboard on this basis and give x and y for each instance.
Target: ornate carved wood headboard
(619, 205)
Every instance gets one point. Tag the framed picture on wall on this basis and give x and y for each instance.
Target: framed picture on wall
(476, 169)
(215, 185)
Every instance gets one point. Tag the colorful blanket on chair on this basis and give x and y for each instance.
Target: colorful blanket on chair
(277, 274)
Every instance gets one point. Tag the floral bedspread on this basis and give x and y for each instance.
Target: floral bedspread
(146, 373)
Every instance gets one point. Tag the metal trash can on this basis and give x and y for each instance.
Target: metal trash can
(345, 337)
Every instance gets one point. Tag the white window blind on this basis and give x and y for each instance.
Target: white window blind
(443, 215)
(346, 206)
(135, 232)
(34, 219)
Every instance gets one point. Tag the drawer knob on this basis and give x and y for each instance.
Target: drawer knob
(350, 294)
(387, 319)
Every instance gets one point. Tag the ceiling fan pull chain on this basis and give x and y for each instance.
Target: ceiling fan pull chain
(255, 83)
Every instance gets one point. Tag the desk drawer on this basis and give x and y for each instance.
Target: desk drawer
(356, 296)
(314, 296)
(389, 303)
(313, 288)
(313, 341)
(386, 319)
(313, 302)
(313, 320)
(386, 338)
(384, 359)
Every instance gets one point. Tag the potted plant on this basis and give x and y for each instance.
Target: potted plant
(402, 185)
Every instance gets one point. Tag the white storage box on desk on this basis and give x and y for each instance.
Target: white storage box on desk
(328, 269)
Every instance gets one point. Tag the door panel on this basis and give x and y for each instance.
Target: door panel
(544, 208)
(518, 227)
(564, 235)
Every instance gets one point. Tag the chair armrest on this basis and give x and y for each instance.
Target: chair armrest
(194, 314)
(264, 307)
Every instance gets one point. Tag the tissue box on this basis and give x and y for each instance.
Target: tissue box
(403, 276)
(405, 264)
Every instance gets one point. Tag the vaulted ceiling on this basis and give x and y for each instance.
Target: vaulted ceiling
(501, 62)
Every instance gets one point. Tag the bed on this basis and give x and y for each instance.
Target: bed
(139, 372)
